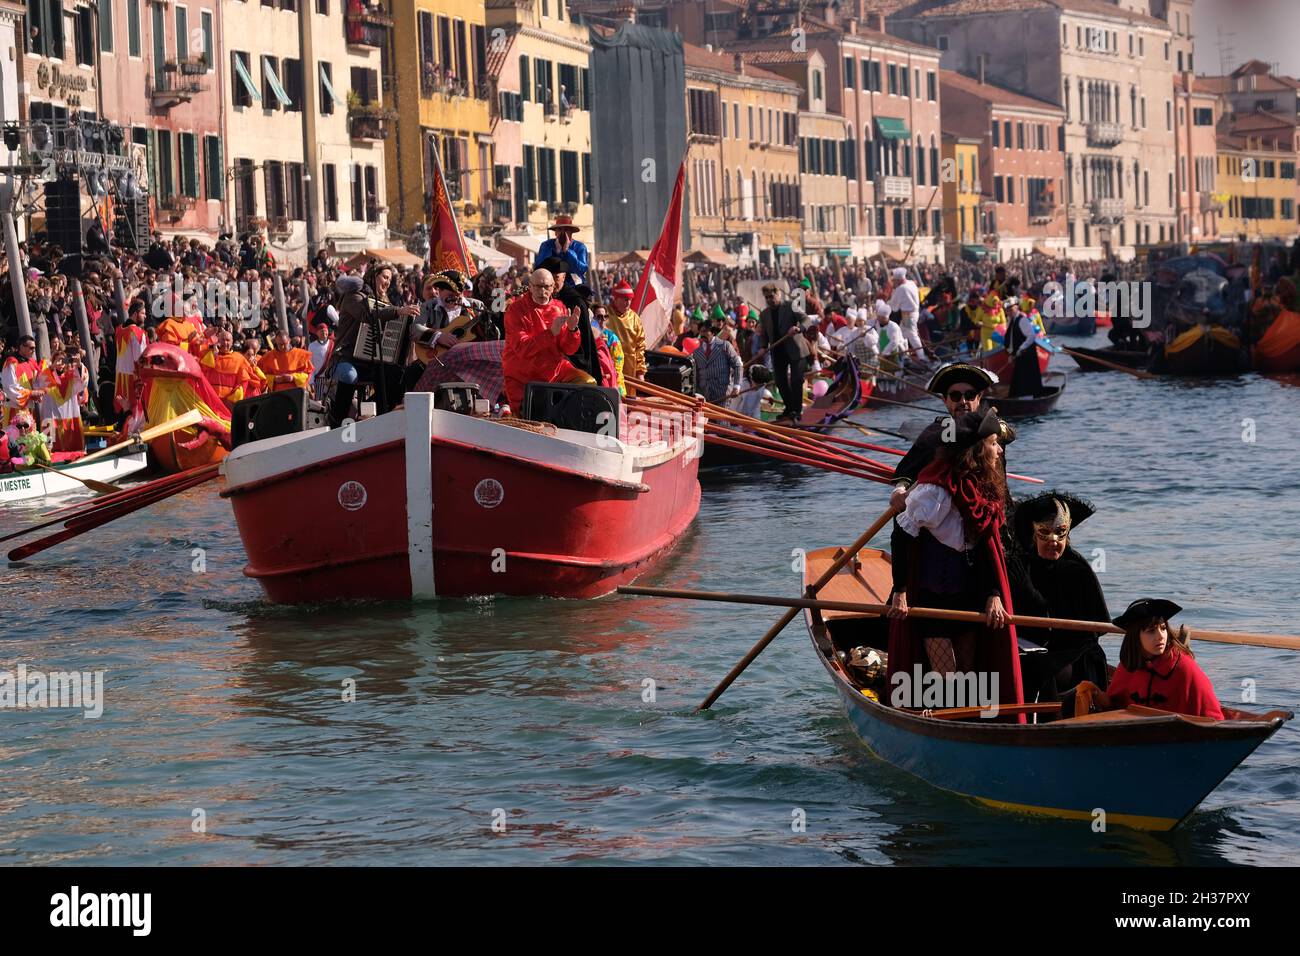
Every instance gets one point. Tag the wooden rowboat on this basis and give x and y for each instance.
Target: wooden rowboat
(31, 483)
(1129, 358)
(1146, 768)
(1204, 350)
(1023, 406)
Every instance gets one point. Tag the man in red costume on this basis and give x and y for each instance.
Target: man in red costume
(540, 332)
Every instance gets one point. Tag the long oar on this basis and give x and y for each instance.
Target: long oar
(192, 417)
(1280, 641)
(732, 440)
(1084, 357)
(889, 401)
(103, 487)
(789, 615)
(79, 526)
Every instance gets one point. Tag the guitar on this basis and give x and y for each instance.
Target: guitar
(423, 337)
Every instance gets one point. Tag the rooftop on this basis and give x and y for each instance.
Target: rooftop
(954, 8)
(701, 59)
(996, 95)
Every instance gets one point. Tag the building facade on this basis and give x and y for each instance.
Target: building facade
(1022, 164)
(542, 111)
(304, 126)
(440, 94)
(161, 84)
(1109, 67)
(827, 162)
(1197, 115)
(742, 160)
(963, 228)
(1257, 187)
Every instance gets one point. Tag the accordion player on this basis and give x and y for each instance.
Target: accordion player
(369, 347)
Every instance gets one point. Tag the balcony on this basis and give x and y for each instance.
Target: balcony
(550, 110)
(172, 87)
(279, 227)
(1103, 133)
(173, 208)
(369, 122)
(893, 189)
(1107, 211)
(499, 211)
(1207, 202)
(367, 27)
(436, 80)
(1041, 212)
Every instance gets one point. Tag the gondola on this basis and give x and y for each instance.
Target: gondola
(1023, 406)
(1073, 325)
(1145, 768)
(1129, 358)
(1204, 350)
(842, 398)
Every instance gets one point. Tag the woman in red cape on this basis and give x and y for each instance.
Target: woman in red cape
(947, 553)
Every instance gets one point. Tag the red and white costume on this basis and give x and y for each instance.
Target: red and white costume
(17, 379)
(131, 341)
(61, 405)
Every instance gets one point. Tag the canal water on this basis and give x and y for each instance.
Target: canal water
(541, 731)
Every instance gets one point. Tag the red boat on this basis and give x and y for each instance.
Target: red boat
(422, 502)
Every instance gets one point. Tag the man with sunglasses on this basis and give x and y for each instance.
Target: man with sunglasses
(961, 387)
(789, 361)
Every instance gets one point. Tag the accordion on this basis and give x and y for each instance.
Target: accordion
(383, 343)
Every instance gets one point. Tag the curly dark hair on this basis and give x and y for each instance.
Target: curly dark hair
(976, 464)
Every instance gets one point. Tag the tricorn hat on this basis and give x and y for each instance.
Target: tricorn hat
(958, 372)
(974, 427)
(1144, 610)
(1046, 507)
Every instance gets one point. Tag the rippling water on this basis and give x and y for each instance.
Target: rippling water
(532, 711)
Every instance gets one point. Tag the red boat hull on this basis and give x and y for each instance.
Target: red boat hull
(513, 512)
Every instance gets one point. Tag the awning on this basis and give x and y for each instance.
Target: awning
(274, 80)
(842, 253)
(246, 79)
(639, 257)
(487, 256)
(1043, 249)
(394, 256)
(891, 128)
(522, 247)
(709, 257)
(329, 87)
(784, 250)
(974, 252)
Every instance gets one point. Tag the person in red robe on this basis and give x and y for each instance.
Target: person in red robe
(1156, 668)
(540, 333)
(947, 553)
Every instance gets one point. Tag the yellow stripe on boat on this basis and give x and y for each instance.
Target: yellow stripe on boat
(1133, 820)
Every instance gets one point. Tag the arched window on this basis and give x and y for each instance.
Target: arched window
(920, 162)
(934, 162)
(726, 192)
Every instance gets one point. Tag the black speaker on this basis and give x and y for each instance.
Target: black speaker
(580, 408)
(676, 372)
(131, 224)
(273, 414)
(63, 214)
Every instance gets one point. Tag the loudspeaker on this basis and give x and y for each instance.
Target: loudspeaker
(63, 214)
(676, 372)
(455, 397)
(131, 223)
(580, 408)
(273, 414)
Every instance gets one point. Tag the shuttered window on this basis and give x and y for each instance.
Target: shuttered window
(214, 173)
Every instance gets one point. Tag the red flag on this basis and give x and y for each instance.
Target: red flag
(656, 290)
(446, 243)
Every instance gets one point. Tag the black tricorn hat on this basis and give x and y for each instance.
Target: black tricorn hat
(1145, 610)
(1043, 508)
(554, 264)
(956, 373)
(973, 427)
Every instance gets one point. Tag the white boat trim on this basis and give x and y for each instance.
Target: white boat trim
(419, 494)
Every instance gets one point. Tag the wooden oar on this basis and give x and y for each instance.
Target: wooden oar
(103, 487)
(192, 417)
(889, 401)
(1279, 641)
(1084, 357)
(79, 526)
(98, 505)
(789, 615)
(731, 439)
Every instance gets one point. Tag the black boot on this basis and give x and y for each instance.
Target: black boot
(341, 405)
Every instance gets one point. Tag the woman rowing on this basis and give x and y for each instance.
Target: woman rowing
(947, 553)
(1051, 579)
(1156, 668)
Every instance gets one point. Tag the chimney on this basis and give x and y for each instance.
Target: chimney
(853, 25)
(984, 58)
(709, 47)
(739, 62)
(879, 22)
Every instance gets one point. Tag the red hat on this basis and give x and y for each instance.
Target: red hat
(563, 222)
(622, 289)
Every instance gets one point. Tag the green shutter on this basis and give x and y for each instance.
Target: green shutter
(190, 164)
(523, 79)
